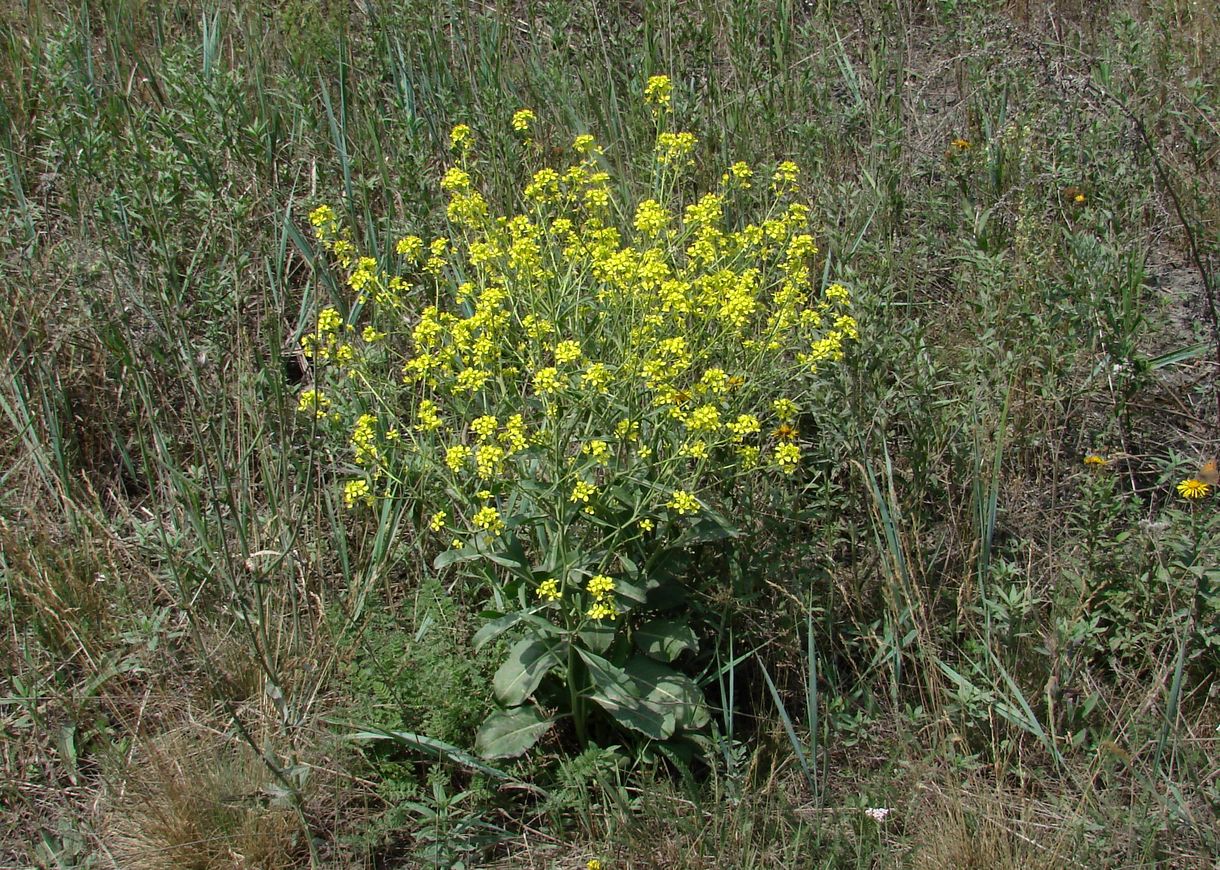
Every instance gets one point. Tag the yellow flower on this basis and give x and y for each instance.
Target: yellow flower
(488, 519)
(582, 491)
(410, 247)
(1095, 461)
(599, 450)
(787, 456)
(584, 144)
(650, 218)
(522, 118)
(785, 410)
(357, 490)
(484, 427)
(784, 177)
(705, 418)
(567, 351)
(1192, 488)
(461, 137)
(602, 610)
(437, 522)
(548, 590)
(488, 460)
(429, 419)
(546, 381)
(313, 402)
(322, 216)
(456, 457)
(961, 144)
(683, 502)
(675, 148)
(658, 91)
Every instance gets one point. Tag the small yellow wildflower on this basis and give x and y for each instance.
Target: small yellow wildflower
(322, 216)
(785, 410)
(548, 590)
(1094, 461)
(484, 427)
(961, 144)
(313, 402)
(426, 414)
(1192, 488)
(646, 525)
(584, 144)
(787, 456)
(546, 381)
(650, 218)
(658, 92)
(356, 491)
(456, 457)
(596, 376)
(489, 459)
(600, 585)
(784, 177)
(461, 137)
(675, 148)
(522, 119)
(567, 351)
(602, 610)
(705, 418)
(599, 450)
(488, 519)
(437, 522)
(410, 247)
(683, 502)
(582, 491)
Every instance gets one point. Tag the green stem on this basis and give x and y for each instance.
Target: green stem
(575, 681)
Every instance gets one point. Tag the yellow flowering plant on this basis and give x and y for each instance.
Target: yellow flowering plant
(569, 393)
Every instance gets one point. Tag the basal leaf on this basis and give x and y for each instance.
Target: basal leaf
(528, 662)
(509, 733)
(665, 639)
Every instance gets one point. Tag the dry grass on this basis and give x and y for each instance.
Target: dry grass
(198, 803)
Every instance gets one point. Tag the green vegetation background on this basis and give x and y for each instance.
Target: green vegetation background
(957, 620)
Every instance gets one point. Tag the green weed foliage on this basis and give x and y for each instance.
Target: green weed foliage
(503, 433)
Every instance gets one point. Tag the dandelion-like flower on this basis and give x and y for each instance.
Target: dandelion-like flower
(1192, 488)
(1095, 461)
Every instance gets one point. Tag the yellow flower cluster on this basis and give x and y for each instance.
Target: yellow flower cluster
(561, 349)
(601, 589)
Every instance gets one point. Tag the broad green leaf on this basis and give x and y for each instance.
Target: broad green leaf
(665, 639)
(616, 693)
(667, 690)
(597, 637)
(509, 733)
(500, 624)
(528, 662)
